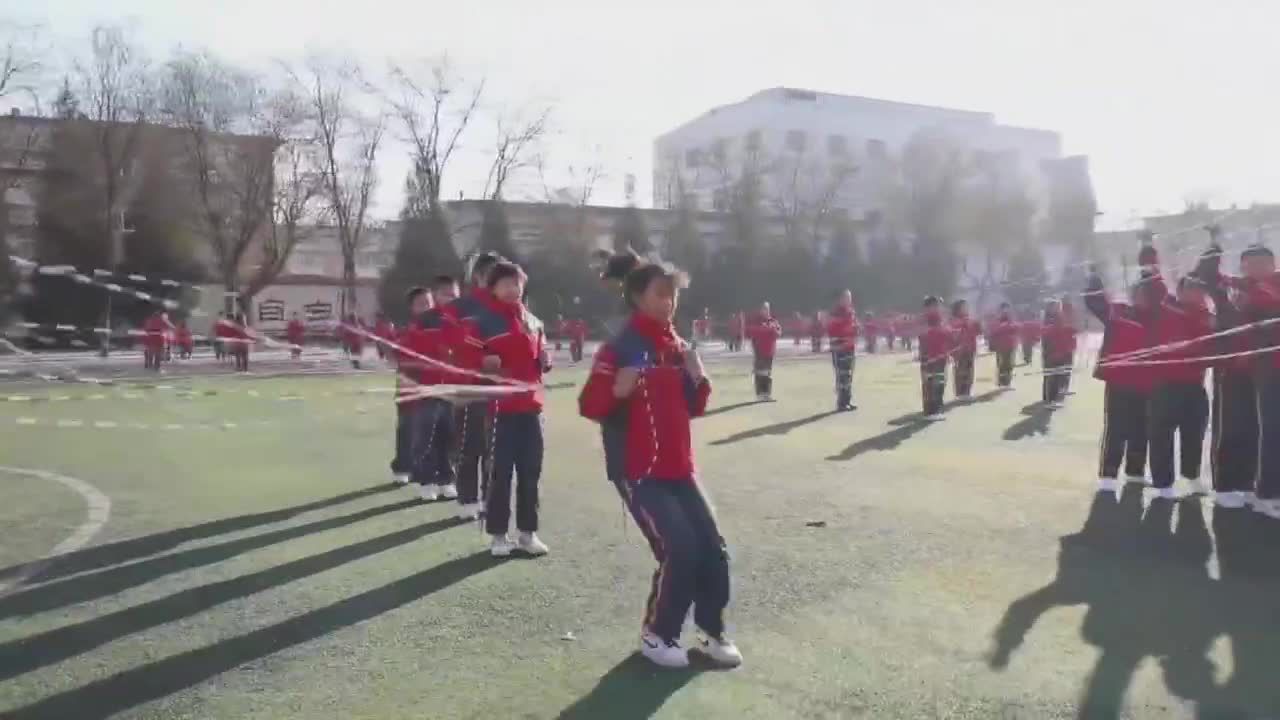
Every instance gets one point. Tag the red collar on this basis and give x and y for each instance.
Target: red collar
(661, 334)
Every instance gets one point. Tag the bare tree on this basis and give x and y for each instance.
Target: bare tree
(21, 68)
(433, 108)
(116, 100)
(233, 126)
(348, 138)
(514, 138)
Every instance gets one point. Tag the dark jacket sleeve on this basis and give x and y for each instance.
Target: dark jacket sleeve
(1095, 299)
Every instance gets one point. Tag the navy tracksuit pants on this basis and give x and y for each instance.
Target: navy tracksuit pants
(473, 426)
(693, 561)
(1124, 432)
(517, 457)
(1234, 448)
(1268, 403)
(404, 435)
(432, 434)
(933, 385)
(1182, 408)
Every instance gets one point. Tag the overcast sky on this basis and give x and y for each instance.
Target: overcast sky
(1170, 99)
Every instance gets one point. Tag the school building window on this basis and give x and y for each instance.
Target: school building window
(837, 145)
(796, 140)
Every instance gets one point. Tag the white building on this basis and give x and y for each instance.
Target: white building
(805, 137)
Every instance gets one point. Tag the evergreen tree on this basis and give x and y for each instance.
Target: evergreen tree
(1028, 279)
(425, 249)
(66, 106)
(495, 232)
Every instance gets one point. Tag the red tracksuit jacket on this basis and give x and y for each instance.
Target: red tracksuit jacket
(764, 334)
(1004, 335)
(1125, 331)
(936, 344)
(516, 336)
(462, 316)
(842, 326)
(295, 332)
(965, 332)
(646, 435)
(1178, 323)
(1059, 342)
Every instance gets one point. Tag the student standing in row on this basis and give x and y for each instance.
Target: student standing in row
(472, 420)
(408, 377)
(764, 332)
(965, 332)
(1127, 329)
(1178, 402)
(1004, 342)
(515, 347)
(644, 388)
(1056, 352)
(936, 345)
(842, 326)
(295, 333)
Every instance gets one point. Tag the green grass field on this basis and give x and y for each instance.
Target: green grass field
(883, 568)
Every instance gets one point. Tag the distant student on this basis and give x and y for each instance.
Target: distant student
(817, 329)
(936, 344)
(241, 337)
(295, 333)
(156, 327)
(870, 332)
(965, 332)
(736, 327)
(1004, 342)
(644, 388)
(353, 339)
(577, 339)
(842, 327)
(219, 337)
(515, 347)
(1057, 349)
(764, 332)
(185, 341)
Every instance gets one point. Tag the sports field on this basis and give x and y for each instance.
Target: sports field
(255, 562)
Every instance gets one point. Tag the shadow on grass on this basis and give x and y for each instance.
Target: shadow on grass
(155, 680)
(30, 653)
(730, 408)
(634, 689)
(781, 428)
(912, 418)
(1037, 417)
(91, 586)
(885, 441)
(101, 556)
(1148, 594)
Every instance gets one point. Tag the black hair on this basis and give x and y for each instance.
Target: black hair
(1256, 250)
(932, 301)
(413, 293)
(501, 271)
(1006, 305)
(955, 306)
(440, 281)
(483, 264)
(619, 266)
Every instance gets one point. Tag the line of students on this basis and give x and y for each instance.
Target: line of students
(1156, 350)
(480, 451)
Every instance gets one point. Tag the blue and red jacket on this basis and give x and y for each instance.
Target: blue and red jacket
(516, 337)
(462, 316)
(646, 435)
(426, 335)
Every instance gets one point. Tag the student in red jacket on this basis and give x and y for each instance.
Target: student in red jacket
(1056, 353)
(936, 345)
(1127, 330)
(219, 333)
(842, 326)
(764, 332)
(577, 338)
(473, 421)
(965, 332)
(240, 338)
(295, 333)
(1031, 330)
(515, 347)
(870, 330)
(736, 327)
(1004, 342)
(908, 329)
(817, 329)
(431, 431)
(1257, 299)
(156, 327)
(408, 376)
(644, 388)
(1179, 403)
(185, 341)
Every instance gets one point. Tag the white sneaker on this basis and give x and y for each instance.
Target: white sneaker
(1250, 497)
(469, 511)
(429, 493)
(1110, 485)
(501, 546)
(1229, 500)
(1166, 494)
(1135, 479)
(401, 478)
(721, 651)
(935, 417)
(1056, 405)
(449, 492)
(529, 544)
(665, 653)
(1199, 486)
(1270, 508)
